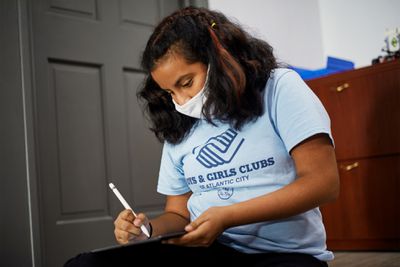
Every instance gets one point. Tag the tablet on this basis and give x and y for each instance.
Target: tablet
(141, 242)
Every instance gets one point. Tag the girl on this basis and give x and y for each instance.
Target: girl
(248, 154)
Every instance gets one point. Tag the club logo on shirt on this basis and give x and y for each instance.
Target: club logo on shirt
(219, 150)
(225, 193)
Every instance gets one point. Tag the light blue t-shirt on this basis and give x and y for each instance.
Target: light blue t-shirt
(223, 166)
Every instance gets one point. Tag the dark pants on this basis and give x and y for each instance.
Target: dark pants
(170, 255)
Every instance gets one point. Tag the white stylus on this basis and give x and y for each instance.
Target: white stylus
(126, 206)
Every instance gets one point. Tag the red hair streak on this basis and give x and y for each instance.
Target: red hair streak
(230, 66)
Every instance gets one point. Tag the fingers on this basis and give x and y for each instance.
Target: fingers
(125, 231)
(127, 226)
(203, 230)
(140, 220)
(198, 235)
(126, 215)
(122, 237)
(195, 224)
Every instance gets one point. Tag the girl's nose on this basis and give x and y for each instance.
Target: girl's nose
(181, 99)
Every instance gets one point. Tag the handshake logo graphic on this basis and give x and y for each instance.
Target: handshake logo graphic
(220, 149)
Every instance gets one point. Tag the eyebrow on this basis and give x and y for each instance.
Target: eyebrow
(179, 81)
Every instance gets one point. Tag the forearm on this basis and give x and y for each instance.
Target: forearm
(168, 222)
(295, 198)
(317, 183)
(175, 217)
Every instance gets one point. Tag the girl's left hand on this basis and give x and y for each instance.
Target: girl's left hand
(204, 230)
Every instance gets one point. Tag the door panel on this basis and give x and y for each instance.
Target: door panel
(90, 129)
(80, 137)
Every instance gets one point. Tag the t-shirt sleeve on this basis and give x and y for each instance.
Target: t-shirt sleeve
(299, 114)
(171, 179)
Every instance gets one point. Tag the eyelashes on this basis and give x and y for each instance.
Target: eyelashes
(188, 83)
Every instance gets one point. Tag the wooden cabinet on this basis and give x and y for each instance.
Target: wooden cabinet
(364, 107)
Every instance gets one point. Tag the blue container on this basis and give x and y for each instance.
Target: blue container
(334, 65)
(339, 64)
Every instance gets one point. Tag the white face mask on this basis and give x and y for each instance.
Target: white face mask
(194, 106)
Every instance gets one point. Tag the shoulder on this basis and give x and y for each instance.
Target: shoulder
(283, 82)
(281, 76)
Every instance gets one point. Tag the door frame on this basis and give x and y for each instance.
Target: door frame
(21, 195)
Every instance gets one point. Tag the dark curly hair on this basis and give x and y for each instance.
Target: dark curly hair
(240, 66)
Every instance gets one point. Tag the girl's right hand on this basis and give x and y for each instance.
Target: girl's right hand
(127, 226)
